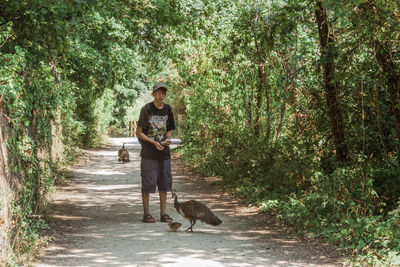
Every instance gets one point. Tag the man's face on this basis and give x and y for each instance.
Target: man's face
(159, 95)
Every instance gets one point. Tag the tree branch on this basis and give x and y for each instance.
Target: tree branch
(5, 41)
(2, 93)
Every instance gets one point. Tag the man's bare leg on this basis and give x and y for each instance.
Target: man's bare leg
(163, 202)
(147, 218)
(146, 201)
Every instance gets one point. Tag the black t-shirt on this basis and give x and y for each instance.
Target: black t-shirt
(155, 124)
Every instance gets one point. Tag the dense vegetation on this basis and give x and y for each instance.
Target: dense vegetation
(68, 71)
(295, 104)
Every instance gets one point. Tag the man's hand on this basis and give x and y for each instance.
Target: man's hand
(159, 146)
(166, 142)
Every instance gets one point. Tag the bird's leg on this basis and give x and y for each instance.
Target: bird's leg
(192, 223)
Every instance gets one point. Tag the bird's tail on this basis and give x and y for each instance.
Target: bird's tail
(213, 220)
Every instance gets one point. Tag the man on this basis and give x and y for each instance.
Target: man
(154, 132)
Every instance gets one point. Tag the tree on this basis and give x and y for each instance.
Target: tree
(328, 56)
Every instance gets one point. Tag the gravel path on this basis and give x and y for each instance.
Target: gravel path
(98, 212)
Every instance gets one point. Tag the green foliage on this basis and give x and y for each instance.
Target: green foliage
(133, 112)
(247, 74)
(256, 115)
(68, 71)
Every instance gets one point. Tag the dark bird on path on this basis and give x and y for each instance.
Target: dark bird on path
(193, 210)
(174, 226)
(123, 154)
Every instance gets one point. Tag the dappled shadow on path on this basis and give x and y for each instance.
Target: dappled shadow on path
(97, 222)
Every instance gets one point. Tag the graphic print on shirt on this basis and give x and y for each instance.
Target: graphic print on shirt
(158, 127)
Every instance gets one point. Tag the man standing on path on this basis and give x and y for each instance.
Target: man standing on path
(154, 132)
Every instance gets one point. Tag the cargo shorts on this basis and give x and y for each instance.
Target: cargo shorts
(156, 173)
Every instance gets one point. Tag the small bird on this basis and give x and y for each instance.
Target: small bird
(123, 154)
(174, 226)
(193, 210)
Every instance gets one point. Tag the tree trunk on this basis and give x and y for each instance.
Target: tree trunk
(264, 86)
(57, 146)
(383, 56)
(290, 73)
(258, 113)
(5, 195)
(249, 106)
(326, 42)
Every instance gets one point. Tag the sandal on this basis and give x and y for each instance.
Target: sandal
(165, 218)
(147, 218)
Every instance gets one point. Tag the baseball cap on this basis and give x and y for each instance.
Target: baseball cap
(159, 85)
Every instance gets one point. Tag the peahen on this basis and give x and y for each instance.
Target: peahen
(193, 210)
(123, 154)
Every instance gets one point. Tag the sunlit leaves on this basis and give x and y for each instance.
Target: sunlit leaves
(298, 172)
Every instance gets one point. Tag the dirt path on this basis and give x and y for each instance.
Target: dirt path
(97, 222)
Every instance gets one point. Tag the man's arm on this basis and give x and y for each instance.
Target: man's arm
(141, 135)
(167, 141)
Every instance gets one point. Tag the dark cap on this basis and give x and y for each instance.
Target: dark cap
(159, 86)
